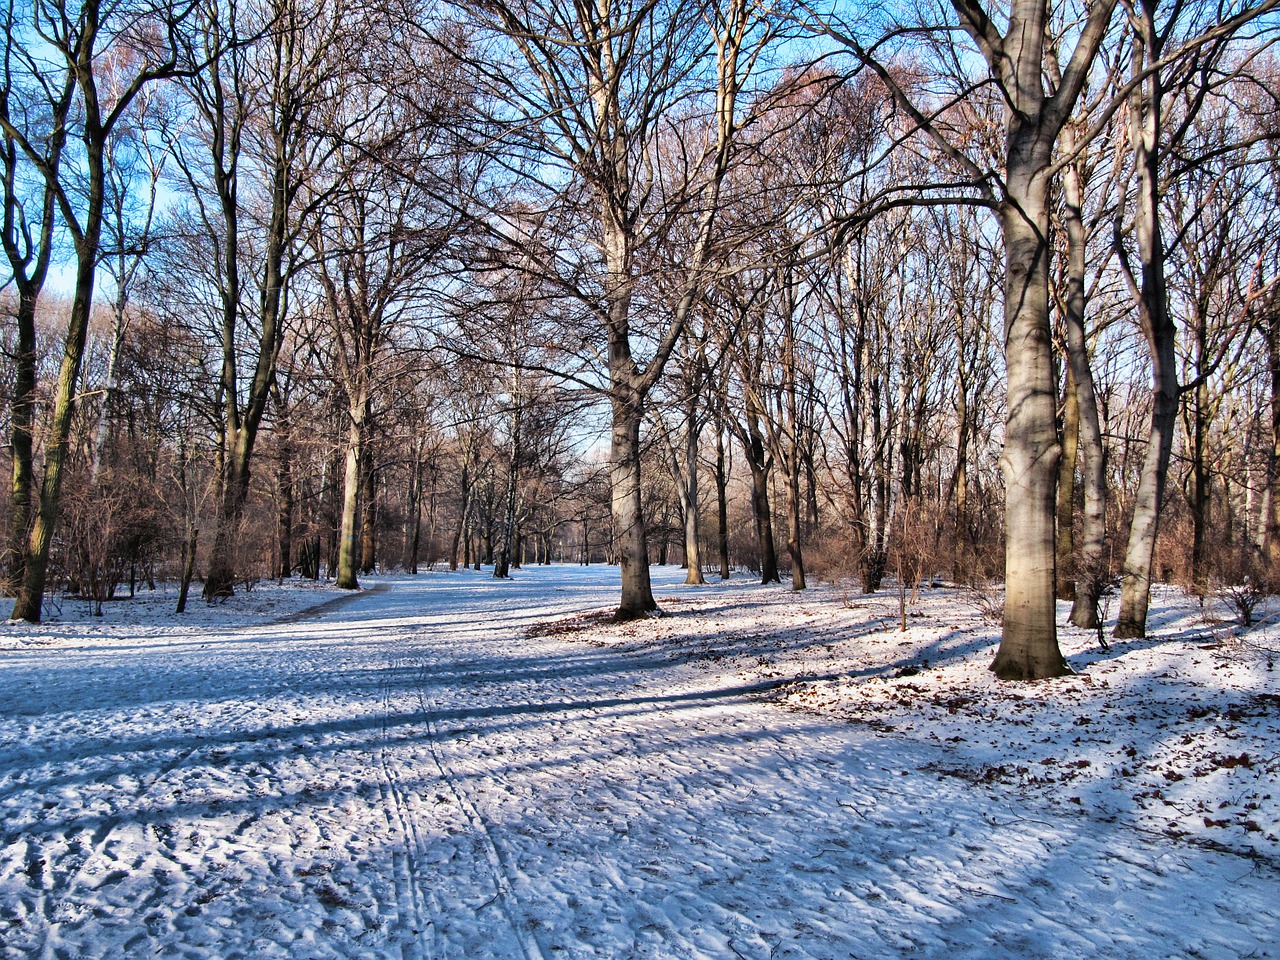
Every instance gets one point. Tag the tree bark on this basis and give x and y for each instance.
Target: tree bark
(506, 549)
(758, 461)
(1029, 644)
(348, 531)
(368, 509)
(628, 517)
(722, 504)
(30, 600)
(1066, 547)
(1158, 327)
(1092, 572)
(22, 416)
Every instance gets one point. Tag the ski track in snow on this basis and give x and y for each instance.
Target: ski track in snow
(414, 775)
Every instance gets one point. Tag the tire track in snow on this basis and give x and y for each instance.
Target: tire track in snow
(499, 862)
(407, 856)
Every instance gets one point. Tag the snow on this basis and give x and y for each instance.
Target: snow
(452, 766)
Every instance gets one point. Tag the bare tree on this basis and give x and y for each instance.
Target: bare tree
(142, 42)
(609, 82)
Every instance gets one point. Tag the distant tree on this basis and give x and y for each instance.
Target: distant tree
(604, 84)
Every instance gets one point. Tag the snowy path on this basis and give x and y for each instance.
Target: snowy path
(411, 775)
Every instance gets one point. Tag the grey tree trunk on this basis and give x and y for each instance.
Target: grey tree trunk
(686, 477)
(30, 600)
(1034, 120)
(628, 515)
(21, 420)
(1157, 325)
(1066, 547)
(349, 526)
(1029, 644)
(1092, 571)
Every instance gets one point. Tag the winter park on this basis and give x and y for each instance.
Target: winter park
(666, 479)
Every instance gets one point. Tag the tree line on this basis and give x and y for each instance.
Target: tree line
(973, 291)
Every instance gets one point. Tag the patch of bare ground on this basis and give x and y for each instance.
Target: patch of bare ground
(573, 626)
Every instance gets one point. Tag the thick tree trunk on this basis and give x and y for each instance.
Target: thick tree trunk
(21, 420)
(628, 515)
(1029, 644)
(1157, 325)
(1135, 586)
(30, 598)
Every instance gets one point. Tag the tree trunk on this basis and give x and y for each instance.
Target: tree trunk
(1092, 572)
(463, 507)
(793, 535)
(1029, 644)
(1271, 520)
(1157, 325)
(686, 478)
(1200, 479)
(188, 564)
(30, 598)
(959, 486)
(348, 533)
(760, 509)
(722, 504)
(368, 511)
(415, 514)
(1066, 547)
(506, 549)
(628, 513)
(21, 418)
(1135, 585)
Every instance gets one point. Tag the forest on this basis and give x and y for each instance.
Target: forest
(942, 291)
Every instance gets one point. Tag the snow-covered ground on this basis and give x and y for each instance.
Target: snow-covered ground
(452, 766)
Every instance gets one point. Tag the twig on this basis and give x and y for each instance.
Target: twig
(988, 893)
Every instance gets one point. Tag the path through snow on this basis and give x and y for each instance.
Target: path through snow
(414, 775)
